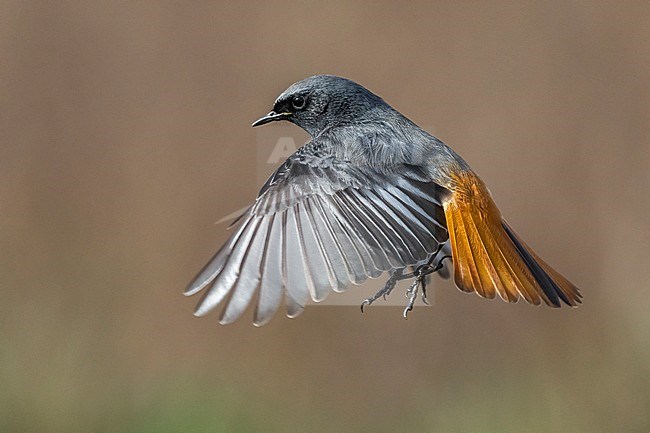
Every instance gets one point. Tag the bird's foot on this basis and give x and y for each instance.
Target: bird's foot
(423, 284)
(395, 276)
(412, 295)
(420, 274)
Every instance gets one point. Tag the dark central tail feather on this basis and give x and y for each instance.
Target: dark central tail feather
(569, 294)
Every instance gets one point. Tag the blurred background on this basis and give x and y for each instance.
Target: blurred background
(125, 134)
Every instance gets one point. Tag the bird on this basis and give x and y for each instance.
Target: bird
(369, 193)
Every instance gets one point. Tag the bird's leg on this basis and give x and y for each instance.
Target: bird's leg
(412, 295)
(395, 276)
(420, 274)
(423, 284)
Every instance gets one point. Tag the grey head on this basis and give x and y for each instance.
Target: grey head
(324, 101)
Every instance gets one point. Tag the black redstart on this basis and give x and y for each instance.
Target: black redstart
(370, 192)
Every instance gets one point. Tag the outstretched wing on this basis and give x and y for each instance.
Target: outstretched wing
(317, 225)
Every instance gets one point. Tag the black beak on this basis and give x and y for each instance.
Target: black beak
(271, 117)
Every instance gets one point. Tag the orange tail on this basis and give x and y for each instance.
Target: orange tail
(489, 258)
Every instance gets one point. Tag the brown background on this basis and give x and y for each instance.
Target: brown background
(124, 134)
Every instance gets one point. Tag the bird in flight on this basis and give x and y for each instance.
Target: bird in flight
(371, 192)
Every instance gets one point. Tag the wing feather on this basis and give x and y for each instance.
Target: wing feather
(369, 240)
(391, 231)
(229, 272)
(217, 262)
(358, 262)
(410, 219)
(318, 225)
(250, 274)
(380, 241)
(316, 267)
(299, 286)
(427, 213)
(328, 248)
(272, 285)
(408, 228)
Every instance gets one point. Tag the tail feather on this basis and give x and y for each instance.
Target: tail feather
(490, 259)
(507, 279)
(556, 283)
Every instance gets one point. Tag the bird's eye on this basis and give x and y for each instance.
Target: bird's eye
(299, 102)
